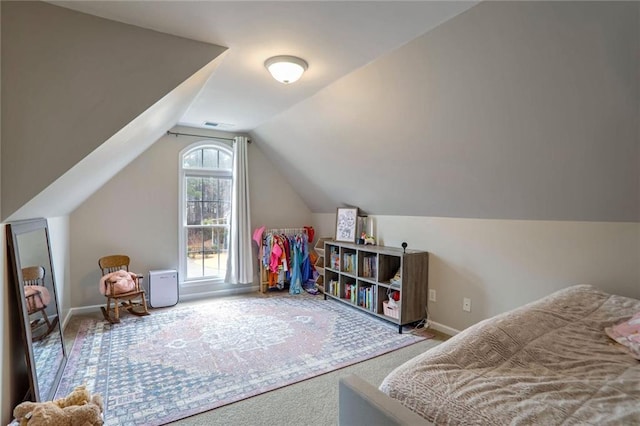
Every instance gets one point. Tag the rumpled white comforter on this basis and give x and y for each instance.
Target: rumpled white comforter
(547, 363)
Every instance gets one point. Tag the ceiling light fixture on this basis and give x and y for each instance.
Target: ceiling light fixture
(286, 69)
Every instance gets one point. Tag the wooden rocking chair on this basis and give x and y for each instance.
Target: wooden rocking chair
(134, 301)
(38, 298)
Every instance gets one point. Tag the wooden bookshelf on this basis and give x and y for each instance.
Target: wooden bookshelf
(370, 271)
(319, 264)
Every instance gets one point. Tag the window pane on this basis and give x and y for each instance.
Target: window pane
(220, 259)
(224, 212)
(210, 158)
(222, 234)
(194, 253)
(207, 239)
(194, 240)
(209, 188)
(209, 211)
(225, 161)
(207, 208)
(193, 159)
(194, 213)
(207, 252)
(225, 190)
(224, 206)
(194, 188)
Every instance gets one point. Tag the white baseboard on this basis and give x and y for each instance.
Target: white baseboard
(66, 319)
(443, 328)
(83, 310)
(226, 292)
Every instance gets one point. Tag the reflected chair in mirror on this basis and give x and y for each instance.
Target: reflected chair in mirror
(38, 298)
(121, 287)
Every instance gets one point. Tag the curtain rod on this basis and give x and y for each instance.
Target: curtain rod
(169, 132)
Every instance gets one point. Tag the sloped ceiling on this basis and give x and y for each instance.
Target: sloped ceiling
(511, 110)
(78, 183)
(83, 96)
(334, 37)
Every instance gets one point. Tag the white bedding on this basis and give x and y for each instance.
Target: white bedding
(547, 363)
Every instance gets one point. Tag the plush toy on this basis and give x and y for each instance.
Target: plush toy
(79, 396)
(79, 408)
(118, 282)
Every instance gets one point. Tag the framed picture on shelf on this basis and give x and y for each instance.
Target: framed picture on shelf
(346, 222)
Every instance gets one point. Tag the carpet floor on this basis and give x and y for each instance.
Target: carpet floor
(185, 360)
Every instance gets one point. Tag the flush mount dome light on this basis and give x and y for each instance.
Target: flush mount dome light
(286, 69)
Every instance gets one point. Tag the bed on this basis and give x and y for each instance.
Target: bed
(549, 362)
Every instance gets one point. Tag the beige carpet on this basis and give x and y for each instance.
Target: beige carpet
(311, 402)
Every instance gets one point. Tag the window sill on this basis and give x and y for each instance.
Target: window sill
(202, 282)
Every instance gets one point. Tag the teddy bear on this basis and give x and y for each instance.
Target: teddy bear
(79, 408)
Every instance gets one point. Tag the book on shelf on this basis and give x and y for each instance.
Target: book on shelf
(333, 288)
(350, 292)
(335, 258)
(349, 263)
(369, 267)
(367, 297)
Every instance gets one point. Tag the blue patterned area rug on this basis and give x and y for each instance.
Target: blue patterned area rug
(182, 361)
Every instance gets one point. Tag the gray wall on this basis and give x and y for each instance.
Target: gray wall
(505, 142)
(71, 81)
(503, 264)
(5, 366)
(136, 213)
(511, 110)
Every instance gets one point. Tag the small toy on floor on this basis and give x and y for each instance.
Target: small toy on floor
(79, 408)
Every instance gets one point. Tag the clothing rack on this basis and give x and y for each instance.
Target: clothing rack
(264, 272)
(285, 231)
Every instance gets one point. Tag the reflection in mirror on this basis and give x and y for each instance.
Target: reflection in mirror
(34, 279)
(38, 300)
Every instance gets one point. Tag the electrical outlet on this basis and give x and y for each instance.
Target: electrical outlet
(432, 295)
(466, 304)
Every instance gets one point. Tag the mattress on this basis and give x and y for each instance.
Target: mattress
(549, 362)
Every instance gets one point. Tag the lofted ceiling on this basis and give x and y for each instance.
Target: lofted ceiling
(510, 110)
(334, 37)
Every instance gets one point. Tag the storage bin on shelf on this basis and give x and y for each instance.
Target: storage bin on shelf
(393, 312)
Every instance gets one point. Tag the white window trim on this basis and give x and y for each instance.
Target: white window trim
(182, 264)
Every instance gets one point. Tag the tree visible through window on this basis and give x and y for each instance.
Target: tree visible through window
(206, 180)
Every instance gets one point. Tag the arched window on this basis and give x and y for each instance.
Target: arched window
(205, 198)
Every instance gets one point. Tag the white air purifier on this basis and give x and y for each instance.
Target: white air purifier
(162, 288)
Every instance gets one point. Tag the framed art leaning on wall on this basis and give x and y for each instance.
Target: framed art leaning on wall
(346, 220)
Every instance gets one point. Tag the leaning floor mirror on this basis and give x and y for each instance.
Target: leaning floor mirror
(37, 301)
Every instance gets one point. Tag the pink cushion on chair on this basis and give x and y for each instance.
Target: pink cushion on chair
(34, 303)
(123, 282)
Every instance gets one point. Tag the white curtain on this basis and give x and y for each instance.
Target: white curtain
(240, 263)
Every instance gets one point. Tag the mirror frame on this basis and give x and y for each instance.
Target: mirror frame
(14, 230)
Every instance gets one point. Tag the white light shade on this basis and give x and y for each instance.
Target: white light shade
(286, 69)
